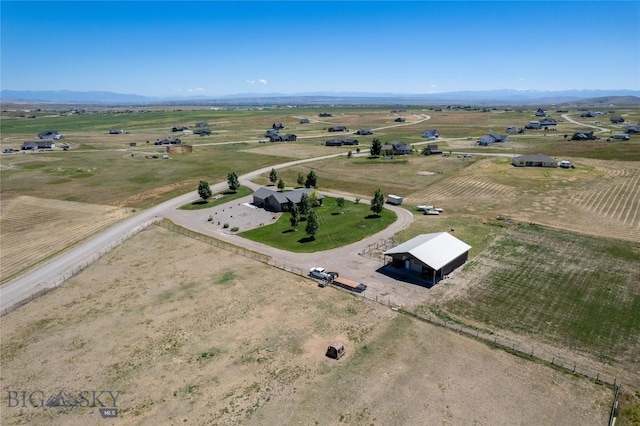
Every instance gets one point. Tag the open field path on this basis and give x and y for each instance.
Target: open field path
(600, 129)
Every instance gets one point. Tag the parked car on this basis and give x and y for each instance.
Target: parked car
(322, 274)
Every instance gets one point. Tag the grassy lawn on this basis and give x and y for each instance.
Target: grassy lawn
(547, 287)
(336, 228)
(217, 199)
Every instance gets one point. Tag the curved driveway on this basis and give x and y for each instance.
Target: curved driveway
(59, 268)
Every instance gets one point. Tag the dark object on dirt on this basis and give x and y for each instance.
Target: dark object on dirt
(335, 350)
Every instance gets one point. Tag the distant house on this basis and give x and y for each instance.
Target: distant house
(270, 132)
(325, 114)
(341, 141)
(617, 119)
(632, 129)
(283, 138)
(277, 126)
(201, 124)
(492, 138)
(583, 135)
(304, 121)
(179, 128)
(50, 134)
(337, 129)
(540, 113)
(548, 122)
(116, 131)
(364, 132)
(34, 145)
(514, 130)
(561, 111)
(399, 120)
(401, 148)
(534, 160)
(432, 149)
(533, 125)
(202, 131)
(276, 201)
(588, 114)
(168, 141)
(430, 134)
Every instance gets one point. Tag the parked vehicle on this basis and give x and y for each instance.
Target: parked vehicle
(335, 350)
(322, 274)
(349, 284)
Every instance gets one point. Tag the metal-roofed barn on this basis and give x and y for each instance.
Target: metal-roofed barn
(432, 256)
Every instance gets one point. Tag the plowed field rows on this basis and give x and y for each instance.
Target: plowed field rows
(33, 229)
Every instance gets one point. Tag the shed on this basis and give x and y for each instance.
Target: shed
(430, 255)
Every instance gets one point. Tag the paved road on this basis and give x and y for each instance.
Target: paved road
(55, 270)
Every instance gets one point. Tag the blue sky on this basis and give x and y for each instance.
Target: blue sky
(212, 48)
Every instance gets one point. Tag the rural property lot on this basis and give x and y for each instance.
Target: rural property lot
(191, 334)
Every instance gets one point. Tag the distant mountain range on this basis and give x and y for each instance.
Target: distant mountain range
(487, 97)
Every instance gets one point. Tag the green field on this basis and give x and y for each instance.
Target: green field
(337, 227)
(568, 289)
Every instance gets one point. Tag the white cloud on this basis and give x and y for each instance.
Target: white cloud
(521, 79)
(251, 81)
(197, 90)
(260, 80)
(263, 81)
(433, 86)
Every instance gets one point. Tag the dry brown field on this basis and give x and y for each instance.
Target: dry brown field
(34, 229)
(190, 334)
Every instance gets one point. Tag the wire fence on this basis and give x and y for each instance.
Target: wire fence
(47, 286)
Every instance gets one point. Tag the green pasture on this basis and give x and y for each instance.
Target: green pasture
(560, 287)
(337, 228)
(217, 199)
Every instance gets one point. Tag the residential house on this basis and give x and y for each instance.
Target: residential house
(201, 124)
(515, 130)
(282, 138)
(540, 113)
(534, 160)
(168, 141)
(35, 145)
(584, 135)
(617, 119)
(545, 122)
(304, 121)
(277, 126)
(399, 120)
(270, 132)
(202, 131)
(364, 132)
(588, 114)
(432, 149)
(276, 201)
(430, 134)
(621, 136)
(533, 125)
(632, 129)
(337, 129)
(50, 134)
(179, 128)
(341, 141)
(325, 114)
(492, 138)
(401, 148)
(116, 131)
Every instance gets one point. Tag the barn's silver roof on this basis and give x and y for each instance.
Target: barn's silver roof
(435, 250)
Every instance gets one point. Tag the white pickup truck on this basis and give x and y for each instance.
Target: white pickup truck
(321, 273)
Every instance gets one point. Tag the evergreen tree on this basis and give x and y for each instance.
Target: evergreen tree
(300, 180)
(311, 228)
(295, 216)
(233, 182)
(280, 184)
(376, 147)
(273, 176)
(305, 204)
(377, 204)
(312, 179)
(204, 191)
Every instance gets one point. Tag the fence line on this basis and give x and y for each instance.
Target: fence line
(48, 286)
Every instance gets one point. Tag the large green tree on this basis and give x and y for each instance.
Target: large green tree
(376, 147)
(300, 180)
(377, 204)
(311, 228)
(233, 182)
(295, 215)
(273, 176)
(305, 204)
(312, 180)
(280, 184)
(204, 190)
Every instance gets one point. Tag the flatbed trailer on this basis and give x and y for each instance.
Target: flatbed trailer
(349, 284)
